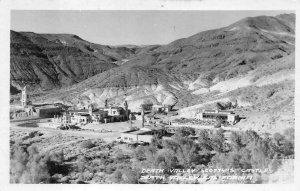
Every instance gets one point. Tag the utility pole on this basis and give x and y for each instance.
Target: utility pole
(143, 118)
(130, 117)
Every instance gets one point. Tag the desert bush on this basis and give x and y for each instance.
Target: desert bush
(184, 149)
(28, 166)
(55, 163)
(236, 141)
(274, 165)
(156, 141)
(218, 141)
(65, 179)
(117, 176)
(204, 140)
(278, 137)
(87, 144)
(86, 176)
(166, 160)
(184, 131)
(139, 153)
(82, 163)
(289, 134)
(121, 158)
(126, 176)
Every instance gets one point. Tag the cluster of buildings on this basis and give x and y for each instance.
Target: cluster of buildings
(150, 127)
(93, 115)
(156, 108)
(154, 126)
(62, 116)
(29, 110)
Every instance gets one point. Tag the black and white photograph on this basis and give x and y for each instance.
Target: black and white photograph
(151, 96)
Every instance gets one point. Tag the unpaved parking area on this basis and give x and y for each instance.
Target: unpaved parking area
(49, 139)
(112, 127)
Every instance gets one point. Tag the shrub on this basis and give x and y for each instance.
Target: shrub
(87, 144)
(82, 163)
(117, 176)
(27, 166)
(139, 153)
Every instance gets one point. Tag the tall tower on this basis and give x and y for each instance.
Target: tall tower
(24, 97)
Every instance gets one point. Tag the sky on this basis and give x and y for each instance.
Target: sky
(128, 27)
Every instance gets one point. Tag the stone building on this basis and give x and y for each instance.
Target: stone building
(213, 115)
(142, 135)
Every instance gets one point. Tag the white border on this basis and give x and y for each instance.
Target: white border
(7, 5)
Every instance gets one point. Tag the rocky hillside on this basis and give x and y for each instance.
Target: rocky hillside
(224, 53)
(185, 72)
(48, 61)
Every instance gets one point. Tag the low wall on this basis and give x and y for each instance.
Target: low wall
(49, 125)
(192, 126)
(145, 138)
(128, 138)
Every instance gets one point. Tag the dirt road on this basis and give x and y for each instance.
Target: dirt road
(86, 134)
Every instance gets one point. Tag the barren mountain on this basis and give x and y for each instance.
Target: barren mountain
(224, 53)
(47, 61)
(212, 65)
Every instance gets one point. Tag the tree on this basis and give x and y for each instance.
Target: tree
(87, 144)
(218, 140)
(150, 153)
(288, 148)
(218, 123)
(139, 153)
(166, 160)
(183, 148)
(28, 166)
(219, 106)
(156, 141)
(250, 136)
(236, 141)
(117, 176)
(130, 176)
(82, 163)
(245, 160)
(184, 132)
(258, 158)
(204, 140)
